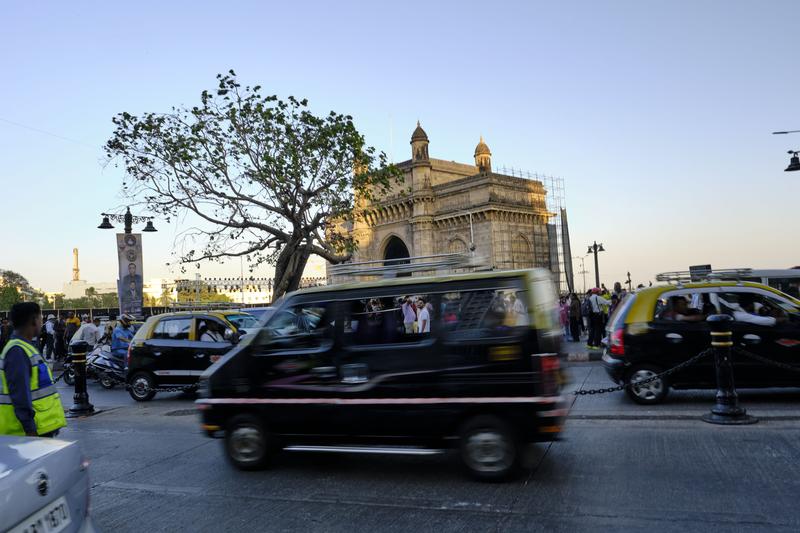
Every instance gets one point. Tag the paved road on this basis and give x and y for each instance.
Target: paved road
(663, 470)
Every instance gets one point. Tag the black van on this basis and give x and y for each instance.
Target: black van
(408, 365)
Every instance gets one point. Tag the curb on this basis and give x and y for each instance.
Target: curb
(584, 356)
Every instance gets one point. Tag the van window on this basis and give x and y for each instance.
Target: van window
(484, 313)
(390, 319)
(298, 319)
(173, 328)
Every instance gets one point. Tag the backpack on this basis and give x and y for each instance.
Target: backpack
(586, 307)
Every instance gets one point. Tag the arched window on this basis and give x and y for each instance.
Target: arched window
(521, 252)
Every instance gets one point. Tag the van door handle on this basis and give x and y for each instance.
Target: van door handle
(199, 355)
(674, 337)
(156, 353)
(325, 372)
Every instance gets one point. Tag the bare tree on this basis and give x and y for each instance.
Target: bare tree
(257, 176)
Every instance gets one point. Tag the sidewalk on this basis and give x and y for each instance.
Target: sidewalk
(577, 351)
(766, 404)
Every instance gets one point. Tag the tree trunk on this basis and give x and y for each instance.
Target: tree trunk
(289, 268)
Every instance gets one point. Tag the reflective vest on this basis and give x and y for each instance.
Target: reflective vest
(48, 411)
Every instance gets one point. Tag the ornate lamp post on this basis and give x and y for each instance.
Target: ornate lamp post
(128, 219)
(794, 160)
(595, 249)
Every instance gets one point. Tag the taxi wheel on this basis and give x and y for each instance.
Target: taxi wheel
(142, 387)
(650, 393)
(247, 443)
(489, 449)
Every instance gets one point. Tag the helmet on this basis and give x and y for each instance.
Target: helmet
(126, 319)
(51, 317)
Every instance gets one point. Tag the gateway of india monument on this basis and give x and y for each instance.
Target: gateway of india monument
(445, 207)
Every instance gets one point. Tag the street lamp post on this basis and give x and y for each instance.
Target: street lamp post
(595, 249)
(583, 271)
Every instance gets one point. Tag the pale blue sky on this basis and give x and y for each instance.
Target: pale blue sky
(657, 114)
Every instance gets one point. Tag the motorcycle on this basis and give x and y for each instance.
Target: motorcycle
(101, 367)
(105, 368)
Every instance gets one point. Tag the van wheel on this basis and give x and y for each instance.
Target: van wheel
(489, 450)
(142, 387)
(247, 443)
(650, 393)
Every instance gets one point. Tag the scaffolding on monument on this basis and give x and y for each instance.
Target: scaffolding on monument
(555, 200)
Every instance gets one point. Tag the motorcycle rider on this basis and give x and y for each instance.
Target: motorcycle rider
(121, 338)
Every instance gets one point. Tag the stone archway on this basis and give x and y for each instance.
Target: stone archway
(396, 250)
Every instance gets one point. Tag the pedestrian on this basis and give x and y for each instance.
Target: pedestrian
(575, 317)
(423, 317)
(50, 337)
(563, 316)
(5, 332)
(89, 332)
(29, 402)
(599, 306)
(60, 347)
(409, 315)
(71, 326)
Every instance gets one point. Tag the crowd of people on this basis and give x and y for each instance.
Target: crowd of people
(57, 333)
(587, 315)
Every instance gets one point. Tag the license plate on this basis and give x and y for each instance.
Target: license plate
(51, 519)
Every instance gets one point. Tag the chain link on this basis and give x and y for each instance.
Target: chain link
(582, 392)
(766, 360)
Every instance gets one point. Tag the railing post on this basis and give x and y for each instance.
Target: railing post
(726, 410)
(80, 405)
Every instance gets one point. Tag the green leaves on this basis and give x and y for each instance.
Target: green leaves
(251, 174)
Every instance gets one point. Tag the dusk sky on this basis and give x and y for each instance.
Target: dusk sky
(657, 115)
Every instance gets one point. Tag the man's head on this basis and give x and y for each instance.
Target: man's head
(679, 304)
(132, 268)
(96, 321)
(71, 314)
(747, 303)
(420, 303)
(26, 318)
(85, 319)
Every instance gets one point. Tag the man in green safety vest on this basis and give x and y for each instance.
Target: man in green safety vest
(29, 403)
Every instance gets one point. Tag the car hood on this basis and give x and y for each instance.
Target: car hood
(16, 452)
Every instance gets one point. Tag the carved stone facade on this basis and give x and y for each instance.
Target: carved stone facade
(431, 210)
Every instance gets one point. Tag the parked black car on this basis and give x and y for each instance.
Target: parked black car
(173, 349)
(354, 368)
(657, 328)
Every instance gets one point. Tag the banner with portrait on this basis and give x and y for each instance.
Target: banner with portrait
(130, 283)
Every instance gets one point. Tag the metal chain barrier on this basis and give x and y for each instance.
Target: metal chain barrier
(766, 360)
(582, 392)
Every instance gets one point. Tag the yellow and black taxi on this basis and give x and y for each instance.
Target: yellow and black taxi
(172, 350)
(410, 365)
(657, 328)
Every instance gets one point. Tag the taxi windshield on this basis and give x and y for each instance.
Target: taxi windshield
(242, 320)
